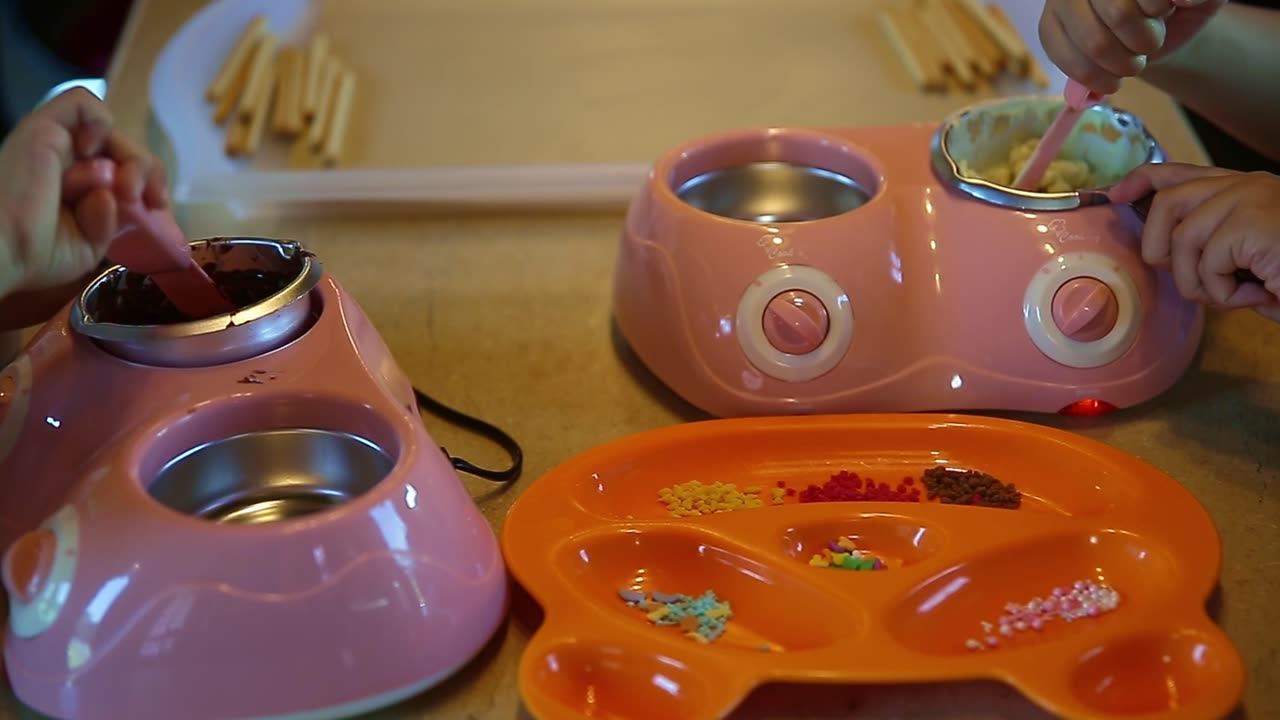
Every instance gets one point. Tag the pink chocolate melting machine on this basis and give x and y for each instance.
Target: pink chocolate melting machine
(780, 271)
(235, 517)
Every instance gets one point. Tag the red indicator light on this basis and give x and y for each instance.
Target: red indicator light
(1088, 408)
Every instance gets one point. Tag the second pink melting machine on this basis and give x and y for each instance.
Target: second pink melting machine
(776, 271)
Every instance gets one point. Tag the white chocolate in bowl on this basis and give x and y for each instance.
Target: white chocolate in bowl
(993, 141)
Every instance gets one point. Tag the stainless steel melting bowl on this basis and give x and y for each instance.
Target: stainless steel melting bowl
(269, 476)
(252, 330)
(1111, 141)
(773, 192)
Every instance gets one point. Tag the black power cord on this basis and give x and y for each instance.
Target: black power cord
(480, 427)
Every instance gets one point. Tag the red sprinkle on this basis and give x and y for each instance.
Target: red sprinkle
(846, 486)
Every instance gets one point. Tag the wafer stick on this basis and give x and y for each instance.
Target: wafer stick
(1005, 34)
(287, 116)
(237, 138)
(988, 58)
(317, 51)
(902, 47)
(245, 136)
(233, 66)
(328, 78)
(956, 59)
(235, 90)
(1027, 67)
(260, 73)
(339, 117)
(956, 39)
(258, 123)
(918, 40)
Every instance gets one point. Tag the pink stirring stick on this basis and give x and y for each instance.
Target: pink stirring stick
(149, 242)
(1078, 98)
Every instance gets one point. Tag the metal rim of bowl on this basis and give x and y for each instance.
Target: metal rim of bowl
(1015, 199)
(834, 177)
(306, 281)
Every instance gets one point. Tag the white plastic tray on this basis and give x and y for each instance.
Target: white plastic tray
(539, 103)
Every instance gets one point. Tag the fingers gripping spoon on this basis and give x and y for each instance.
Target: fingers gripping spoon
(149, 242)
(1079, 98)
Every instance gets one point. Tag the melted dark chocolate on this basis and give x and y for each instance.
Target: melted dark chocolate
(137, 301)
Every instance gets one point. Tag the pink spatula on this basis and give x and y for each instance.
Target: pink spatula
(1079, 98)
(149, 242)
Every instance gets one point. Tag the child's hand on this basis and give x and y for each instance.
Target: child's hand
(1099, 42)
(1205, 223)
(42, 246)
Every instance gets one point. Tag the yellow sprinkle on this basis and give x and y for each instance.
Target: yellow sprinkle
(694, 498)
(716, 612)
(752, 490)
(697, 637)
(658, 614)
(839, 558)
(819, 561)
(846, 543)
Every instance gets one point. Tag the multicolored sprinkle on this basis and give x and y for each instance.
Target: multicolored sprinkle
(843, 554)
(702, 619)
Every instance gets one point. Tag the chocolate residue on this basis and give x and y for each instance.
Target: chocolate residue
(135, 300)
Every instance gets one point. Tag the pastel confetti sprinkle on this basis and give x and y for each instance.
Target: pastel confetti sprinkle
(1082, 599)
(701, 619)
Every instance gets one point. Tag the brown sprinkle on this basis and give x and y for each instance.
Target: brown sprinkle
(969, 487)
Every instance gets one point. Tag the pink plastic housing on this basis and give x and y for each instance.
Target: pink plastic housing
(933, 300)
(160, 614)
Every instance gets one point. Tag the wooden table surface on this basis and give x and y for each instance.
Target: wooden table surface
(507, 317)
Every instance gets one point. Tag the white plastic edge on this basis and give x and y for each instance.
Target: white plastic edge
(202, 173)
(27, 620)
(772, 361)
(1037, 310)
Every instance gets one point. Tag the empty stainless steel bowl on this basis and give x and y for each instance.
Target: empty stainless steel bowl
(773, 192)
(269, 476)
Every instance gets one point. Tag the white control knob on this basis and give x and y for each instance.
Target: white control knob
(794, 323)
(1082, 311)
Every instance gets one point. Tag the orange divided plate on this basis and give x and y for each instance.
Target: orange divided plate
(594, 525)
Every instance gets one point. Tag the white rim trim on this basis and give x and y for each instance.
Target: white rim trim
(1037, 310)
(27, 620)
(772, 361)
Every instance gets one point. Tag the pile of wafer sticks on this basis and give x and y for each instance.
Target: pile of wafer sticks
(305, 91)
(957, 44)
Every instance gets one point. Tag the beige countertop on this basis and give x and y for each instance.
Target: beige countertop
(507, 317)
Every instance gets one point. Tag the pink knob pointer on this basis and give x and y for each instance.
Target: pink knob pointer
(1085, 310)
(149, 242)
(1078, 98)
(795, 322)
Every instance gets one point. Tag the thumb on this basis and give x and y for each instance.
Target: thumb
(96, 216)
